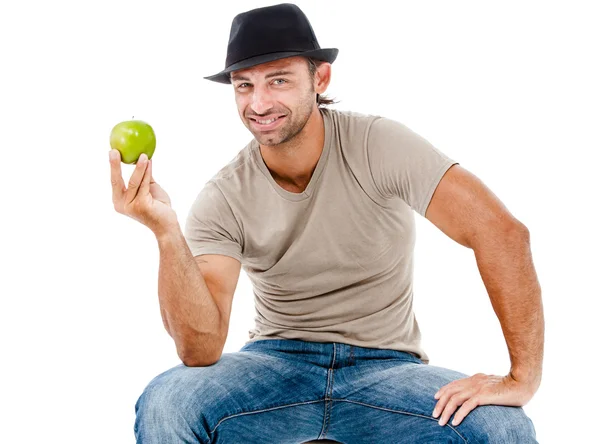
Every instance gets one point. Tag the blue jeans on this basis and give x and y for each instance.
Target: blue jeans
(293, 391)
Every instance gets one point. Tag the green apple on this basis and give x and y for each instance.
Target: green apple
(132, 138)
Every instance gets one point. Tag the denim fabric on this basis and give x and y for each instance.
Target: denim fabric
(293, 391)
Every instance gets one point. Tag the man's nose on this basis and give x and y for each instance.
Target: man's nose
(261, 100)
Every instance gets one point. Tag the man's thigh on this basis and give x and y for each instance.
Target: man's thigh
(248, 394)
(392, 401)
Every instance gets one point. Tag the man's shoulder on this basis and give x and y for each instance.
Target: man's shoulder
(351, 115)
(375, 126)
(236, 166)
(353, 123)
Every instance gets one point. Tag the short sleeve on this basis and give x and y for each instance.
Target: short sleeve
(404, 164)
(211, 227)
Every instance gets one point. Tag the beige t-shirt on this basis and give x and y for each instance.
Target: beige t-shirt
(335, 262)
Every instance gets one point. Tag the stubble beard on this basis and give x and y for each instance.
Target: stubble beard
(291, 128)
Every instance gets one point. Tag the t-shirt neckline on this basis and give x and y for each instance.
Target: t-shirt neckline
(316, 174)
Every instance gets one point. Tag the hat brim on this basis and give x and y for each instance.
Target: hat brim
(325, 54)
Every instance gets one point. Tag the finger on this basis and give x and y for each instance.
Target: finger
(145, 187)
(452, 387)
(467, 407)
(443, 395)
(452, 405)
(116, 177)
(136, 178)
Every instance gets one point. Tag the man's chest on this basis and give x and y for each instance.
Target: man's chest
(327, 232)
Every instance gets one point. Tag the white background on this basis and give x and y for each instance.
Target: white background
(511, 90)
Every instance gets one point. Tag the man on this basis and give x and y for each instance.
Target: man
(318, 207)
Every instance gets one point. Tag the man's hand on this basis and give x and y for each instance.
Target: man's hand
(144, 200)
(478, 390)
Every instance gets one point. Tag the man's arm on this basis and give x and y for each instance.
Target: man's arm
(195, 296)
(469, 213)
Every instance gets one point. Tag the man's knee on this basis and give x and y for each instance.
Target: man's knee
(168, 403)
(160, 399)
(498, 424)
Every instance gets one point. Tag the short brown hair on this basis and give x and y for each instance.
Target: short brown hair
(313, 64)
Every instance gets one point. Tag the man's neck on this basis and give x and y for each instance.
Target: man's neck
(292, 163)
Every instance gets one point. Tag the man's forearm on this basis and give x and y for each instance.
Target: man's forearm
(506, 266)
(189, 311)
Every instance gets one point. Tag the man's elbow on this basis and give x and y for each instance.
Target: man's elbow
(199, 363)
(195, 360)
(209, 354)
(517, 231)
(499, 235)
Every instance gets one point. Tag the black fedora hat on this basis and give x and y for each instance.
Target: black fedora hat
(265, 34)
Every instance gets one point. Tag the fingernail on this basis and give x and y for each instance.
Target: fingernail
(434, 414)
(454, 422)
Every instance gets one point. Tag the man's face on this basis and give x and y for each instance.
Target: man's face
(281, 90)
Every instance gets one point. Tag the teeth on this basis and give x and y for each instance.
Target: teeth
(266, 122)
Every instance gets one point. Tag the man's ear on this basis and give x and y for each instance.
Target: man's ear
(322, 77)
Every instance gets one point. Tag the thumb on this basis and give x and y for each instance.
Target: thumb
(145, 185)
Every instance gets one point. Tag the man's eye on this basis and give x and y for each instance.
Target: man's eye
(283, 80)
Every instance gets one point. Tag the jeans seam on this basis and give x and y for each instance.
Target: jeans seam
(402, 412)
(263, 410)
(330, 404)
(328, 394)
